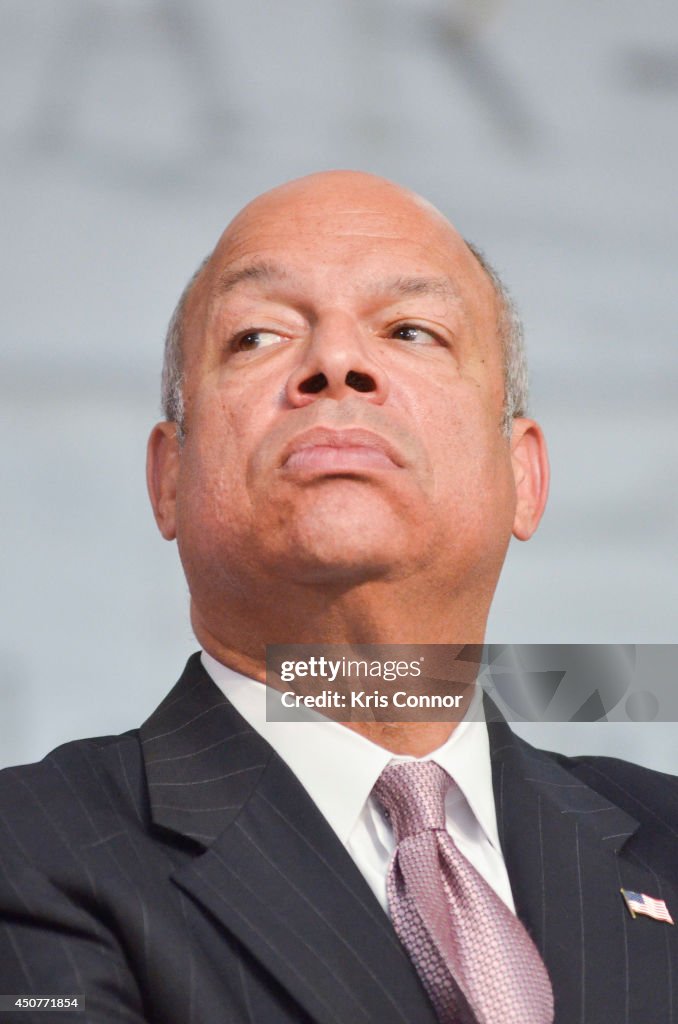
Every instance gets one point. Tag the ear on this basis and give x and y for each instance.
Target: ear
(162, 471)
(531, 474)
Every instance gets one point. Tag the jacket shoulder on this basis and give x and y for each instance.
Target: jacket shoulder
(78, 794)
(649, 795)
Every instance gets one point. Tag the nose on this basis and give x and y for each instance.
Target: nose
(337, 363)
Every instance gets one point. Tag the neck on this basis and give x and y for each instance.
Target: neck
(369, 614)
(414, 739)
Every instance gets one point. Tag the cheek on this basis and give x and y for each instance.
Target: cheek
(221, 421)
(204, 499)
(227, 428)
(473, 471)
(210, 471)
(455, 417)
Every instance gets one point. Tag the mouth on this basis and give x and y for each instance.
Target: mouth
(323, 450)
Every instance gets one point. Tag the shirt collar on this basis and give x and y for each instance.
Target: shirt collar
(321, 752)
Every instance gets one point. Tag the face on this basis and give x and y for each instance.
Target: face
(344, 393)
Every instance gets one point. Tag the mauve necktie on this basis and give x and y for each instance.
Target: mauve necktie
(474, 957)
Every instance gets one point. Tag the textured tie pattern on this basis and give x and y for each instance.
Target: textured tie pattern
(474, 957)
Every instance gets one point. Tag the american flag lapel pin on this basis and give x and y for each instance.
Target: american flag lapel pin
(639, 903)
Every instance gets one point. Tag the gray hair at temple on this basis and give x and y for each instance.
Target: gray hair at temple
(509, 332)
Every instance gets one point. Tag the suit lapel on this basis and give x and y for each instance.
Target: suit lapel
(568, 851)
(270, 869)
(272, 872)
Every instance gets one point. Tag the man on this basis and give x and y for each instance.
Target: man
(344, 459)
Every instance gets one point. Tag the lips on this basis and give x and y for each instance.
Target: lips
(322, 449)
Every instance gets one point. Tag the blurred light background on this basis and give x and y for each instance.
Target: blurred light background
(133, 129)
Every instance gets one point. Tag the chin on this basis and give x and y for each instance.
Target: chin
(341, 559)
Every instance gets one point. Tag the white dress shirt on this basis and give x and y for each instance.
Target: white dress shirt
(338, 768)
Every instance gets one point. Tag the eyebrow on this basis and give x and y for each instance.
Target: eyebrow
(404, 286)
(262, 270)
(400, 287)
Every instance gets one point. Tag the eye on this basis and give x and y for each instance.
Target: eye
(416, 334)
(252, 341)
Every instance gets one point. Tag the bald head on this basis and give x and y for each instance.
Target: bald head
(362, 209)
(351, 194)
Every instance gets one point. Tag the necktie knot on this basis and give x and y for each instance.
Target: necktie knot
(413, 795)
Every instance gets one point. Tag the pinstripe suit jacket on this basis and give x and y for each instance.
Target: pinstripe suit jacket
(182, 874)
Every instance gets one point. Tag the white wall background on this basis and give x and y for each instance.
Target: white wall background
(132, 130)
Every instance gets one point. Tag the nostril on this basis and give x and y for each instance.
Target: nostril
(360, 381)
(312, 385)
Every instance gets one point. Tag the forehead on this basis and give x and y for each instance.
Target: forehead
(336, 239)
(330, 225)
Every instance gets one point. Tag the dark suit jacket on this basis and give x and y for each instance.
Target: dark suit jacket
(182, 874)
